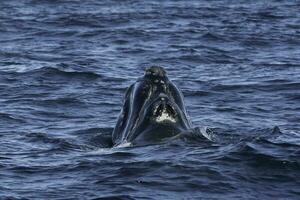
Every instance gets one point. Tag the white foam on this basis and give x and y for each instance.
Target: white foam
(124, 144)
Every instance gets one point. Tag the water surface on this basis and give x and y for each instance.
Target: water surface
(64, 68)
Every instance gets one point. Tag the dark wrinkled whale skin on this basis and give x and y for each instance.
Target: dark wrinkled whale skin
(153, 110)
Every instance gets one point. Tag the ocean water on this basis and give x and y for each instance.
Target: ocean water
(64, 68)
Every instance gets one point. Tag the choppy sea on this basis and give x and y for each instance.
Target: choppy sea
(64, 68)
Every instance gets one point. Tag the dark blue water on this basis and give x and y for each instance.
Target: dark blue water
(64, 68)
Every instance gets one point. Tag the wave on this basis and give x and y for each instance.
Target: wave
(213, 37)
(56, 72)
(262, 154)
(50, 74)
(115, 197)
(263, 148)
(10, 117)
(57, 144)
(61, 101)
(189, 92)
(257, 86)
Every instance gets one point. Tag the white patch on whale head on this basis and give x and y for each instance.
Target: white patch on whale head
(165, 117)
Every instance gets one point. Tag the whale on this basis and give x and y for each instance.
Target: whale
(153, 110)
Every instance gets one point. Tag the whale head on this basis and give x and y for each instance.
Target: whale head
(153, 109)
